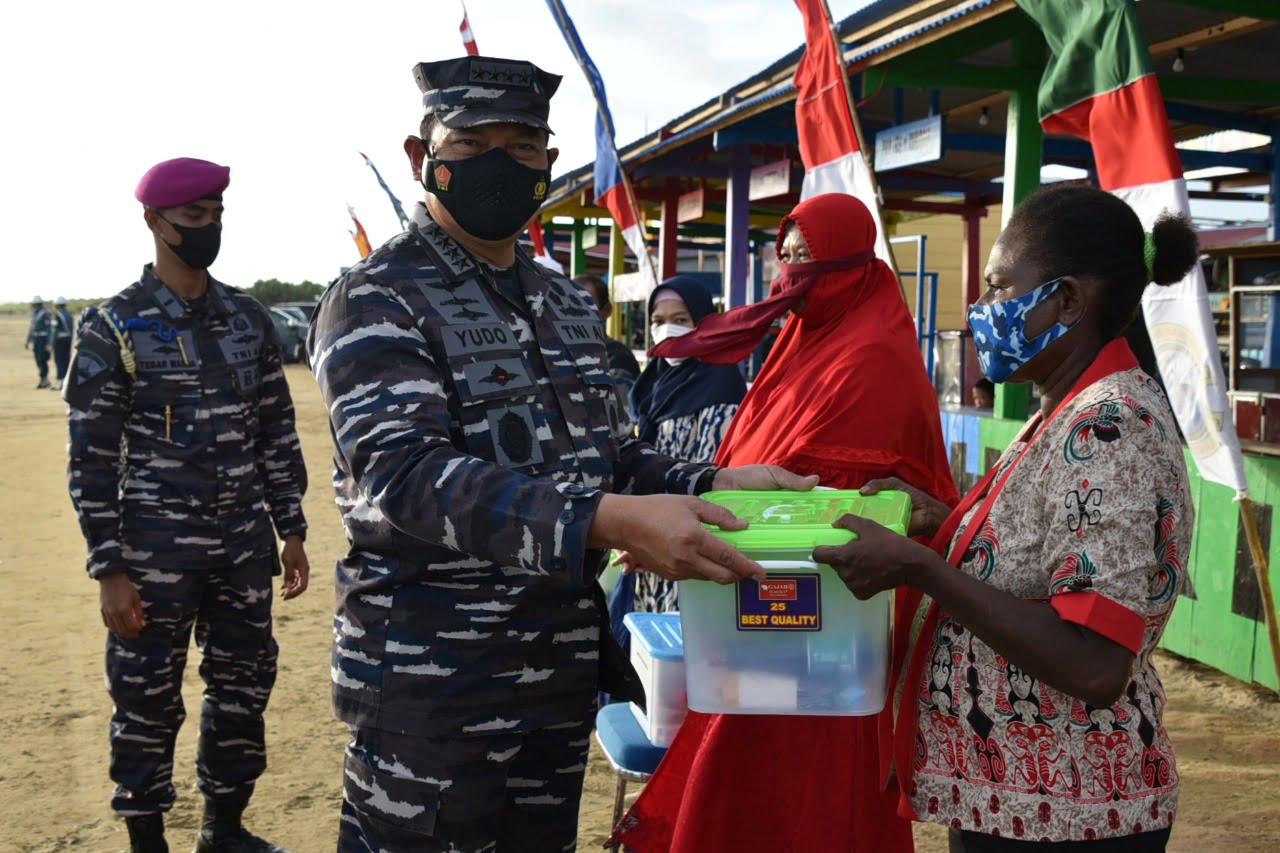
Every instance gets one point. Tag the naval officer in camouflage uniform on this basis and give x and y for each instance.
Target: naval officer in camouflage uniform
(483, 463)
(183, 458)
(40, 337)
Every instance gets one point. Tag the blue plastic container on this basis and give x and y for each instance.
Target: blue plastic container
(657, 653)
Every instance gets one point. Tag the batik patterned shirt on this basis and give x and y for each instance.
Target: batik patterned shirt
(1097, 521)
(694, 438)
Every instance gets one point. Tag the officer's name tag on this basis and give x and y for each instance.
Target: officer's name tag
(782, 602)
(580, 331)
(154, 353)
(465, 338)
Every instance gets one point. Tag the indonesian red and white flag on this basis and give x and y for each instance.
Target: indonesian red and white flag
(833, 160)
(1099, 85)
(468, 37)
(540, 254)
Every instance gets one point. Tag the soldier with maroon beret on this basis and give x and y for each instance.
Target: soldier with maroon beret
(183, 458)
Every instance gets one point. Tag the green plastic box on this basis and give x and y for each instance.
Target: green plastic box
(790, 522)
(798, 642)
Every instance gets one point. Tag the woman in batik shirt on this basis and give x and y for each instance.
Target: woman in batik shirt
(1031, 710)
(683, 408)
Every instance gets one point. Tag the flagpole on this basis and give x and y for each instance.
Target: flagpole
(1262, 571)
(833, 29)
(395, 202)
(561, 15)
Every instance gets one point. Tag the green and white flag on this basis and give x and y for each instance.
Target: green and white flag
(1100, 86)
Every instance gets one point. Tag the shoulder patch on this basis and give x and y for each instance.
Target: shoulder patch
(88, 365)
(97, 352)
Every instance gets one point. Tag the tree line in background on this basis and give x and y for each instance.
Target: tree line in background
(268, 291)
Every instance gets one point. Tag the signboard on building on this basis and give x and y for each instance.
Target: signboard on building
(630, 287)
(691, 206)
(770, 180)
(909, 144)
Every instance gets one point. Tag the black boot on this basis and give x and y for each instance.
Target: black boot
(221, 832)
(146, 834)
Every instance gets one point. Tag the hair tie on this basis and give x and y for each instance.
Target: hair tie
(1149, 254)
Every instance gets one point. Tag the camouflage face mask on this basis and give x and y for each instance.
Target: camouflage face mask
(1000, 332)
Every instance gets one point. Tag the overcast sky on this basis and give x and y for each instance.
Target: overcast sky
(286, 94)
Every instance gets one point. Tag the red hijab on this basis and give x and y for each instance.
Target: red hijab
(844, 393)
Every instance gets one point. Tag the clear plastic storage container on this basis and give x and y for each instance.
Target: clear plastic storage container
(798, 642)
(657, 653)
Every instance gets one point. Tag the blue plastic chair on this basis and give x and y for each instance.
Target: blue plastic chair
(632, 755)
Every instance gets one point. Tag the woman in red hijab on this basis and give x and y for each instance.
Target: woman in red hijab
(844, 395)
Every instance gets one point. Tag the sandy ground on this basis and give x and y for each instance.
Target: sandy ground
(54, 711)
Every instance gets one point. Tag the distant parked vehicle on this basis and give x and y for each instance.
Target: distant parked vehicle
(293, 335)
(307, 308)
(295, 312)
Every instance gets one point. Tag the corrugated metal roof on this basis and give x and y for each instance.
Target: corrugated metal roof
(865, 17)
(933, 24)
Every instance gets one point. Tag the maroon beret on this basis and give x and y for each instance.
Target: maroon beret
(174, 183)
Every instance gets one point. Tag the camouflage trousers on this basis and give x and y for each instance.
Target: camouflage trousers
(504, 793)
(40, 346)
(230, 612)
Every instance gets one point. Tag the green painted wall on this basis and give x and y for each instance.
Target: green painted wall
(1204, 627)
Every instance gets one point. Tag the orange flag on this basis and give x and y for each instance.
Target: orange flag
(361, 238)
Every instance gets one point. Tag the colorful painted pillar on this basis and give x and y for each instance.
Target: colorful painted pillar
(1273, 231)
(737, 240)
(1022, 161)
(971, 275)
(617, 265)
(549, 235)
(668, 233)
(578, 251)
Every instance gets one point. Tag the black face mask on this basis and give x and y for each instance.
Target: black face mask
(491, 195)
(199, 246)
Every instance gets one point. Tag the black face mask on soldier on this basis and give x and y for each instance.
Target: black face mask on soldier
(199, 246)
(491, 196)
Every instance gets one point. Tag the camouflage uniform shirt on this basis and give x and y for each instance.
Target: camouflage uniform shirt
(475, 433)
(41, 328)
(183, 449)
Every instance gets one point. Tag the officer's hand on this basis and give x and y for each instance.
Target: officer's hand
(761, 478)
(121, 606)
(664, 534)
(27, 345)
(297, 571)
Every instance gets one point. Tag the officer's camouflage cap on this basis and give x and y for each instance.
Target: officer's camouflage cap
(475, 90)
